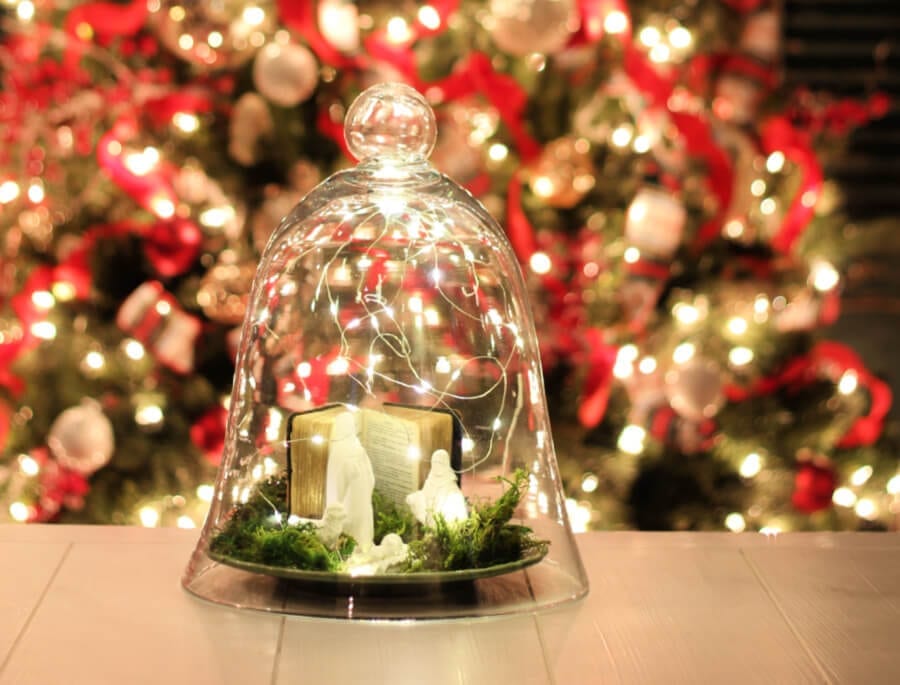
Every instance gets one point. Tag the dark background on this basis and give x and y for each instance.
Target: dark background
(852, 48)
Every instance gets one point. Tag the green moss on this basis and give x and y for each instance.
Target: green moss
(486, 538)
(258, 532)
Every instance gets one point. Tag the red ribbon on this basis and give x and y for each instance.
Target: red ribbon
(833, 359)
(476, 75)
(518, 227)
(779, 135)
(598, 383)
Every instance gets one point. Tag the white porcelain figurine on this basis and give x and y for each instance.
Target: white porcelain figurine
(440, 493)
(350, 480)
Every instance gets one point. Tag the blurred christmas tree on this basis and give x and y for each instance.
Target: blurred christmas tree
(664, 198)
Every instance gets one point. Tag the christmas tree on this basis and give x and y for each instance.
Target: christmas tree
(665, 198)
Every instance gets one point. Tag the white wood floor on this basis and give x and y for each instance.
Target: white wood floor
(104, 605)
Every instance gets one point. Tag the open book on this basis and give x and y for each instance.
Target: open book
(399, 440)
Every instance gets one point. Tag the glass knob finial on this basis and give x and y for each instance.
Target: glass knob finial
(390, 120)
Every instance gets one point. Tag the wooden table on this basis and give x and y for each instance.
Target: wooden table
(104, 605)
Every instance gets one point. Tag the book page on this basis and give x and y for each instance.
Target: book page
(387, 440)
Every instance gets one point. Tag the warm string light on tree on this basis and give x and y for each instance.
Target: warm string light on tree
(667, 208)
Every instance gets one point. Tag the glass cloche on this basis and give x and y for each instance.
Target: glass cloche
(388, 451)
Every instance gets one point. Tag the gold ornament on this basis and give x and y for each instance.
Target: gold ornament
(225, 289)
(564, 173)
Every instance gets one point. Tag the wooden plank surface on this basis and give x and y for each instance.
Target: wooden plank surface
(673, 614)
(104, 605)
(844, 621)
(26, 569)
(115, 613)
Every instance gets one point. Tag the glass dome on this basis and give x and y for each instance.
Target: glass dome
(388, 451)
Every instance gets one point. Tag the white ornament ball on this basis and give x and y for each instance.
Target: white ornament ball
(286, 75)
(523, 27)
(81, 438)
(695, 389)
(655, 223)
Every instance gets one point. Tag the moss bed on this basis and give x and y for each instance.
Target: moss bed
(257, 533)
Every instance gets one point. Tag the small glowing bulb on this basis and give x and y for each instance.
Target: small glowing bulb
(497, 424)
(443, 365)
(641, 144)
(19, 510)
(498, 152)
(632, 255)
(25, 12)
(540, 263)
(185, 41)
(185, 122)
(680, 37)
(149, 517)
(683, 353)
(44, 330)
(148, 415)
(735, 522)
(649, 36)
(686, 313)
(63, 291)
(866, 509)
(9, 191)
(35, 193)
(734, 228)
(590, 483)
(429, 18)
(338, 367)
(185, 521)
(253, 15)
(775, 162)
(43, 299)
(893, 485)
(740, 356)
(398, 30)
(134, 350)
(647, 365)
(848, 383)
(767, 206)
(163, 207)
(824, 276)
(215, 39)
(660, 53)
(543, 186)
(737, 325)
(758, 187)
(844, 497)
(467, 444)
(627, 353)
(751, 466)
(205, 492)
(94, 360)
(631, 440)
(770, 531)
(163, 308)
(216, 217)
(861, 475)
(615, 22)
(432, 317)
(28, 465)
(621, 136)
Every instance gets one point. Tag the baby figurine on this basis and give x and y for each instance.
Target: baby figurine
(350, 480)
(440, 493)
